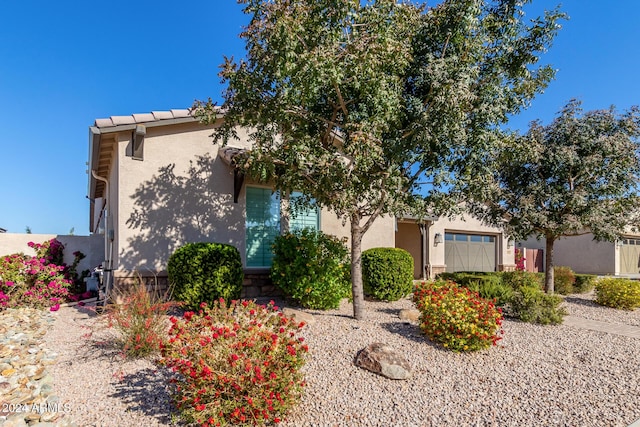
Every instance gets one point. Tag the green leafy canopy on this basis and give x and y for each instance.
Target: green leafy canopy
(577, 175)
(358, 103)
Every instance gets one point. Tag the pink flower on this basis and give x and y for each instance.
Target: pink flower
(55, 307)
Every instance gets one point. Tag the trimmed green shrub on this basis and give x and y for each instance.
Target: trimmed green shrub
(532, 305)
(563, 280)
(457, 317)
(618, 293)
(584, 283)
(205, 272)
(312, 268)
(479, 279)
(462, 277)
(387, 273)
(493, 290)
(518, 279)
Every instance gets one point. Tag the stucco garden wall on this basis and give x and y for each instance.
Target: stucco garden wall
(92, 246)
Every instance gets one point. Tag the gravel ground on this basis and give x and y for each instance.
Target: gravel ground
(536, 376)
(583, 305)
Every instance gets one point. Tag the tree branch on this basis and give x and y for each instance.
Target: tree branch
(340, 99)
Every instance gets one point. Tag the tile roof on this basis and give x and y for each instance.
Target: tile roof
(154, 116)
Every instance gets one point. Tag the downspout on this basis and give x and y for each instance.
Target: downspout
(108, 240)
(425, 259)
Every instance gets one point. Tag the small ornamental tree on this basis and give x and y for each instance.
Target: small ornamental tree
(356, 103)
(575, 176)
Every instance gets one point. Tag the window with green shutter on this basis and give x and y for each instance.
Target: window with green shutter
(262, 226)
(307, 218)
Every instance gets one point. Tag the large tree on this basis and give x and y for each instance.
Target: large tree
(357, 103)
(575, 176)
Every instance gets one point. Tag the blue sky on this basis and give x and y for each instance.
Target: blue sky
(65, 63)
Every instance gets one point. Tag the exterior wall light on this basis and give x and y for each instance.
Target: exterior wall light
(438, 238)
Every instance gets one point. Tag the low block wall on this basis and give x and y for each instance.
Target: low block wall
(92, 246)
(256, 283)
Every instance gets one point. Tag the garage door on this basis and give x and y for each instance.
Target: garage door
(630, 256)
(469, 252)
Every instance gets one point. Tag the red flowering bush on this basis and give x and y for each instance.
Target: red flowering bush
(140, 316)
(457, 317)
(237, 364)
(31, 281)
(51, 250)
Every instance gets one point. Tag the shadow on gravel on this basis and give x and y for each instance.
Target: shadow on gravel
(581, 301)
(97, 349)
(390, 311)
(410, 332)
(147, 391)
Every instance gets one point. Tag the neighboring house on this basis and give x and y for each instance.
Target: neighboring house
(588, 256)
(158, 181)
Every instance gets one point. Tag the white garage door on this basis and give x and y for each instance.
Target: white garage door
(630, 256)
(469, 252)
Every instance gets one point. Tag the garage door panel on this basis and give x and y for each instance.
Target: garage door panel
(470, 252)
(630, 256)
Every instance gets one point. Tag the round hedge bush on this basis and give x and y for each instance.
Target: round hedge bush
(205, 272)
(311, 268)
(619, 293)
(387, 273)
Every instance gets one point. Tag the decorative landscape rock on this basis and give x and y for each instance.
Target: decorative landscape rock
(300, 316)
(382, 359)
(25, 387)
(412, 315)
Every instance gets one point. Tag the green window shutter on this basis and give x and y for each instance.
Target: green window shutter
(262, 226)
(308, 218)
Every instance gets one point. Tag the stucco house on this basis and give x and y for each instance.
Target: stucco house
(586, 255)
(158, 181)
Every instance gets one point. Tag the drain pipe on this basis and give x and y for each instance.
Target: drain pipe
(108, 241)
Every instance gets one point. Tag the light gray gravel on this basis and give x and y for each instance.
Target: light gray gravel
(583, 305)
(101, 387)
(536, 376)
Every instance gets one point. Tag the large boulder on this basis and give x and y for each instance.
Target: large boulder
(382, 359)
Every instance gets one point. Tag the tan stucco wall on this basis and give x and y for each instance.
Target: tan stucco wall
(581, 253)
(181, 192)
(380, 234)
(91, 246)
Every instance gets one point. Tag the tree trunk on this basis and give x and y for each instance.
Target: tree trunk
(356, 268)
(548, 265)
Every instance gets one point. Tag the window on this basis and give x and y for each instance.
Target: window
(307, 218)
(262, 226)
